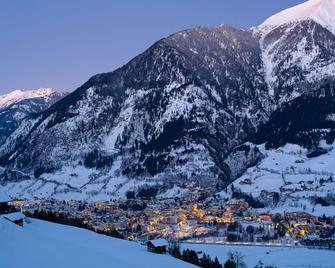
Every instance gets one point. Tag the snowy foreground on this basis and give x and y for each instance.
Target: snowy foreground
(275, 256)
(43, 244)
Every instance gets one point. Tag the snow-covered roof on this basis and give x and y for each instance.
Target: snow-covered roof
(159, 242)
(321, 11)
(16, 216)
(4, 197)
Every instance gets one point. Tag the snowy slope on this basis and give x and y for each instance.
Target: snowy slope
(297, 178)
(19, 95)
(18, 104)
(42, 244)
(298, 49)
(282, 257)
(321, 11)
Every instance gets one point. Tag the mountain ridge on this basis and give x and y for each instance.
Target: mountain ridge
(15, 96)
(18, 104)
(181, 111)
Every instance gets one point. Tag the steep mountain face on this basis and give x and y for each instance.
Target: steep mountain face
(298, 56)
(18, 104)
(180, 107)
(298, 52)
(298, 46)
(181, 110)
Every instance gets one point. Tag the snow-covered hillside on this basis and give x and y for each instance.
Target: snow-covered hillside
(298, 179)
(18, 104)
(321, 11)
(19, 95)
(297, 48)
(75, 182)
(43, 244)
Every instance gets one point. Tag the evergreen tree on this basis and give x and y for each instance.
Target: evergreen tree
(216, 263)
(190, 256)
(230, 264)
(174, 250)
(205, 261)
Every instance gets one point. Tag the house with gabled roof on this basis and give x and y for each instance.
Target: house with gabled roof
(7, 212)
(15, 217)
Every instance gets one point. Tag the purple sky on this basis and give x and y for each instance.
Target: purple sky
(62, 43)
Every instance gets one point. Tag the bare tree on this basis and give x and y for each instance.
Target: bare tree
(238, 258)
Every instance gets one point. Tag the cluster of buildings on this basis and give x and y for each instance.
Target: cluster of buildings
(183, 218)
(231, 220)
(305, 226)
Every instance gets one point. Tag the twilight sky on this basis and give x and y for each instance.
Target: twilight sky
(60, 44)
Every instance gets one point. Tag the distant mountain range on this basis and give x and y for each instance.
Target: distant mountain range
(182, 110)
(18, 104)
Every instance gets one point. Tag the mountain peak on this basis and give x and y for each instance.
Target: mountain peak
(18, 95)
(320, 11)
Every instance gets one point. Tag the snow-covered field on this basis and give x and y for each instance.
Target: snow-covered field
(280, 257)
(42, 244)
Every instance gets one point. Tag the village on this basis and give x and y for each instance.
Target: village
(188, 220)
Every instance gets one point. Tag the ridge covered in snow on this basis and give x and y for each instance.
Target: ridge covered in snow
(18, 104)
(18, 95)
(321, 11)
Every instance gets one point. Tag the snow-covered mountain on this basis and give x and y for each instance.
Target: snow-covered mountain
(320, 11)
(298, 49)
(180, 111)
(47, 94)
(180, 107)
(16, 105)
